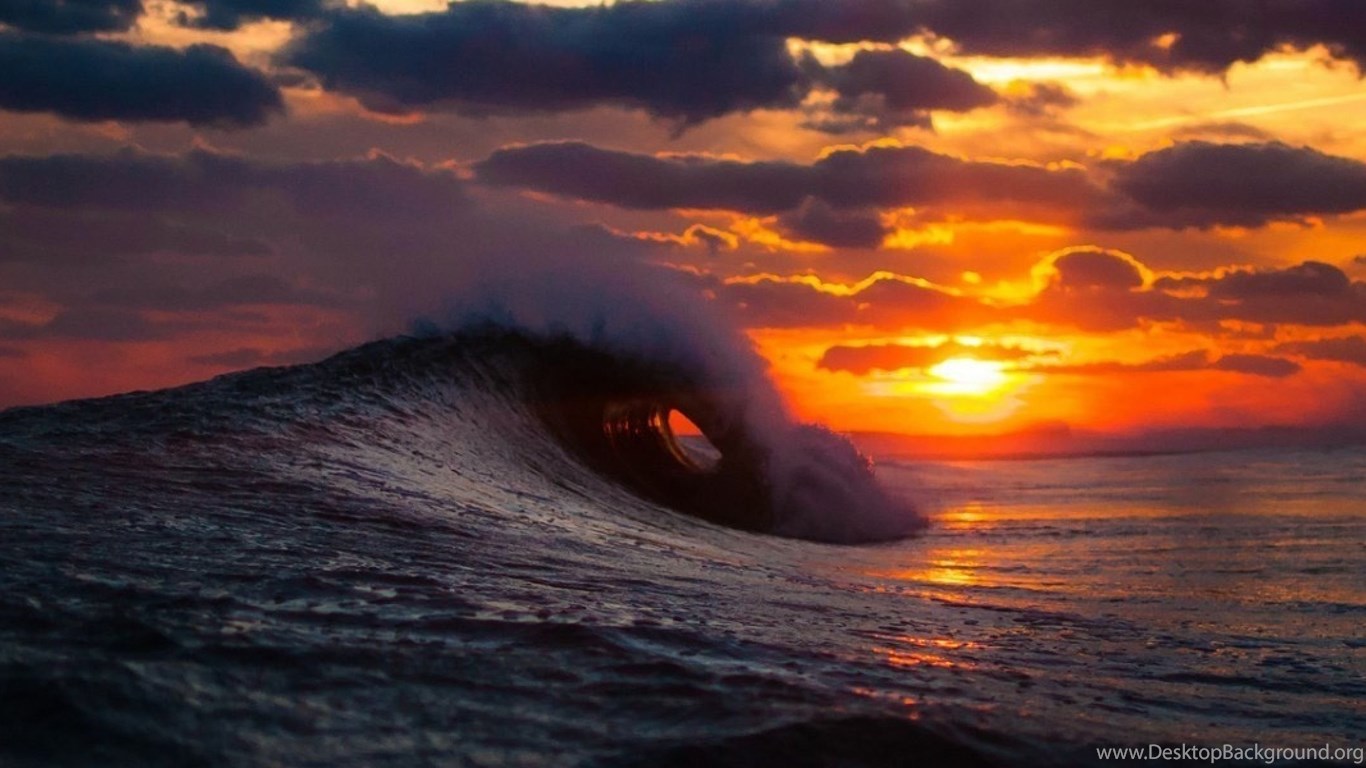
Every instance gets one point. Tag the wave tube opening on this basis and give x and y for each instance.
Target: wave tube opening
(624, 418)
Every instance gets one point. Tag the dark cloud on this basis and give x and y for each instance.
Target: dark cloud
(815, 221)
(1090, 268)
(86, 79)
(65, 17)
(850, 21)
(60, 237)
(574, 169)
(777, 303)
(685, 61)
(1344, 349)
(373, 240)
(894, 87)
(884, 300)
(211, 183)
(860, 360)
(878, 176)
(1311, 278)
(231, 14)
(908, 82)
(1196, 184)
(109, 236)
(1257, 365)
(1196, 360)
(891, 176)
(1207, 36)
(13, 353)
(690, 60)
(1103, 291)
(1311, 293)
(1200, 184)
(1090, 289)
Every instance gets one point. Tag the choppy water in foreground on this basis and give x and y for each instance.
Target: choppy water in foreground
(388, 567)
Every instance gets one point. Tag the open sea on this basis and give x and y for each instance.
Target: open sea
(395, 558)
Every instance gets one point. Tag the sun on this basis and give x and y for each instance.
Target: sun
(967, 376)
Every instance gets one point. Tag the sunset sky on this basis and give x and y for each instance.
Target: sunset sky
(931, 216)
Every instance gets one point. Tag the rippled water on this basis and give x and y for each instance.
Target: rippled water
(281, 569)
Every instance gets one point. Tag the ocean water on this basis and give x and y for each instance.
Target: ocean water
(392, 559)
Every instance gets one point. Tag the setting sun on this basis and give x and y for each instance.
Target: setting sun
(967, 376)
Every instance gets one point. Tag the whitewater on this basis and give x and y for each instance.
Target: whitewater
(423, 552)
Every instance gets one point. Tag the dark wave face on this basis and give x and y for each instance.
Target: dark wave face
(216, 531)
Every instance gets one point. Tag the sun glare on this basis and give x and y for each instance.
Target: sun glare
(967, 376)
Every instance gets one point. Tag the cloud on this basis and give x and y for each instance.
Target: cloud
(1204, 37)
(888, 88)
(691, 60)
(908, 82)
(1089, 267)
(1101, 290)
(211, 183)
(1196, 184)
(876, 176)
(1087, 288)
(628, 180)
(65, 17)
(366, 243)
(1196, 360)
(87, 79)
(1257, 365)
(683, 60)
(815, 221)
(1310, 293)
(200, 234)
(771, 301)
(1200, 184)
(883, 299)
(1310, 278)
(1343, 349)
(860, 360)
(231, 14)
(66, 237)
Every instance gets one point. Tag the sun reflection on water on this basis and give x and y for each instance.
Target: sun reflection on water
(911, 651)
